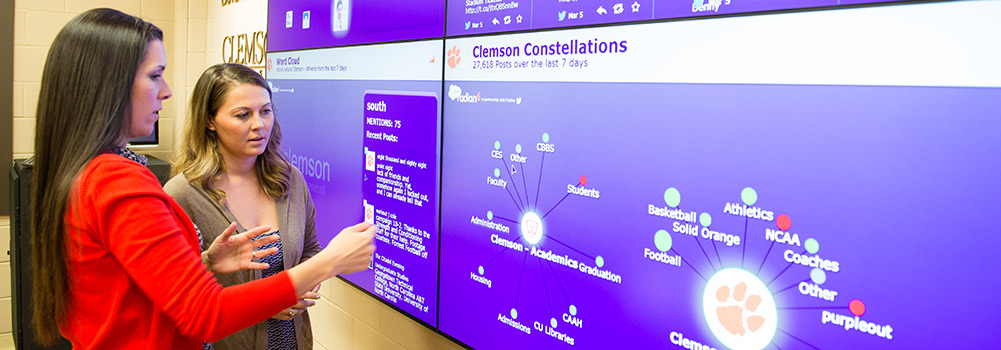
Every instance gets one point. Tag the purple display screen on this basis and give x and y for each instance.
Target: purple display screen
(294, 25)
(323, 124)
(496, 16)
(400, 197)
(592, 215)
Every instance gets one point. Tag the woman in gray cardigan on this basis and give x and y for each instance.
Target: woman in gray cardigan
(231, 170)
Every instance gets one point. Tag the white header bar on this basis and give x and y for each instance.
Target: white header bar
(936, 44)
(419, 60)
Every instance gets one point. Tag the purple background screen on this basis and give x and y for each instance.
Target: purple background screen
(323, 126)
(400, 191)
(369, 21)
(900, 185)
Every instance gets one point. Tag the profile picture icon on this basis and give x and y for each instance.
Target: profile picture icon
(340, 17)
(369, 159)
(369, 212)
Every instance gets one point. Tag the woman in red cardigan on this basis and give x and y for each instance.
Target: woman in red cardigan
(116, 260)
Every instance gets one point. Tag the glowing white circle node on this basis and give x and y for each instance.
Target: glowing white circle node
(531, 228)
(739, 310)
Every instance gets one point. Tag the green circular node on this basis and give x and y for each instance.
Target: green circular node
(812, 246)
(705, 219)
(481, 270)
(573, 310)
(662, 239)
(749, 196)
(490, 215)
(672, 197)
(496, 172)
(818, 276)
(600, 261)
(552, 322)
(514, 313)
(545, 137)
(497, 145)
(517, 148)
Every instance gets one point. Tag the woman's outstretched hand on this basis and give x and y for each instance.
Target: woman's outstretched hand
(353, 248)
(350, 251)
(232, 252)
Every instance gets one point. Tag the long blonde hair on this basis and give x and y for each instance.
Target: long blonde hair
(199, 158)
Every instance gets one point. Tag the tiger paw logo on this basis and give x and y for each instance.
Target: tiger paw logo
(739, 310)
(369, 213)
(732, 317)
(453, 57)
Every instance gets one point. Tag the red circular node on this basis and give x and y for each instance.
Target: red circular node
(583, 180)
(783, 222)
(857, 307)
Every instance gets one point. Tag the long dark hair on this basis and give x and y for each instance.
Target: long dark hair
(199, 158)
(82, 107)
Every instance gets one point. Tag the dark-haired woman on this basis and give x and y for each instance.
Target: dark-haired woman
(116, 261)
(231, 169)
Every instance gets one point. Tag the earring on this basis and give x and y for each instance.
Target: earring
(211, 128)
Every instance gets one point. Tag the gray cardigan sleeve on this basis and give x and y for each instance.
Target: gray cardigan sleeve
(311, 244)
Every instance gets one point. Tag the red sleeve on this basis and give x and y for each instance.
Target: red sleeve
(142, 227)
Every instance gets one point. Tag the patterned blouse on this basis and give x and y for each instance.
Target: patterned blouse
(281, 334)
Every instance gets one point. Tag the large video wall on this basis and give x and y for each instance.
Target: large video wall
(781, 180)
